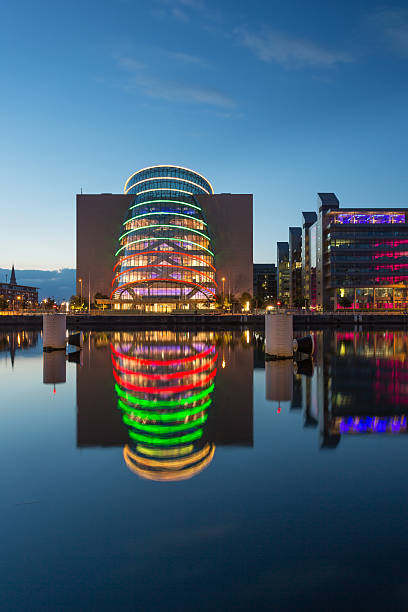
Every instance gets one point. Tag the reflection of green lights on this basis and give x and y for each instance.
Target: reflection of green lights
(167, 416)
(163, 429)
(167, 441)
(163, 403)
(165, 452)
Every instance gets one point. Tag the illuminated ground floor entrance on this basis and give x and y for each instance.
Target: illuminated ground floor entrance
(158, 307)
(372, 298)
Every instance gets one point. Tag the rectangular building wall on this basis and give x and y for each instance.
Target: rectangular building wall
(99, 224)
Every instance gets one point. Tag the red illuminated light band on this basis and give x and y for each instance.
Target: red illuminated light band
(164, 266)
(154, 362)
(202, 368)
(138, 253)
(173, 389)
(171, 280)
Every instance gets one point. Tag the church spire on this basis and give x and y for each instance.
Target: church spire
(13, 277)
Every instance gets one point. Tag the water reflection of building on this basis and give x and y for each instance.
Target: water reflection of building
(164, 384)
(360, 385)
(20, 340)
(168, 385)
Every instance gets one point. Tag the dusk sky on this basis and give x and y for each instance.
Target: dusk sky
(278, 99)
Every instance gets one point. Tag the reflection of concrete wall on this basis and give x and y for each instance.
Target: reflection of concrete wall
(230, 419)
(100, 218)
(99, 421)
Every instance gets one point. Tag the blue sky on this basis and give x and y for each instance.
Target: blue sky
(277, 99)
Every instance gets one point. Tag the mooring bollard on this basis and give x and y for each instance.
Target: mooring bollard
(279, 335)
(54, 332)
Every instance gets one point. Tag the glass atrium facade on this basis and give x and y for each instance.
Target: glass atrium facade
(366, 259)
(165, 260)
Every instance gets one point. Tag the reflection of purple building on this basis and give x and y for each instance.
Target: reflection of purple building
(362, 382)
(361, 257)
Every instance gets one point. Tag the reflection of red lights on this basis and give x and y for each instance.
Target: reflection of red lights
(174, 389)
(155, 362)
(278, 410)
(202, 368)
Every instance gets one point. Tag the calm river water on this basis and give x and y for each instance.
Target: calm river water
(174, 471)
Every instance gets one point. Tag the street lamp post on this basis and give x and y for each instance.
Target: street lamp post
(80, 281)
(223, 283)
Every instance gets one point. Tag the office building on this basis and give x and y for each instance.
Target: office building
(295, 266)
(17, 296)
(283, 272)
(169, 242)
(264, 284)
(360, 256)
(309, 259)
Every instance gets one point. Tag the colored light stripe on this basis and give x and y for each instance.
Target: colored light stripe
(164, 212)
(172, 389)
(165, 266)
(164, 429)
(156, 362)
(125, 246)
(195, 435)
(167, 280)
(165, 416)
(171, 376)
(174, 475)
(164, 403)
(191, 193)
(165, 452)
(145, 227)
(167, 178)
(172, 201)
(169, 166)
(170, 463)
(142, 253)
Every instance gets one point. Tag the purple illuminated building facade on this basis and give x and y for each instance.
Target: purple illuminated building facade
(356, 258)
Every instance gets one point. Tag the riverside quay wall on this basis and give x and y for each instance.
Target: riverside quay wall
(171, 321)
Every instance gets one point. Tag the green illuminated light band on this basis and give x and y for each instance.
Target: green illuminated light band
(176, 214)
(172, 202)
(163, 429)
(160, 416)
(145, 227)
(163, 238)
(163, 403)
(195, 435)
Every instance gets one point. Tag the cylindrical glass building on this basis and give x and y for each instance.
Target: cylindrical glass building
(165, 259)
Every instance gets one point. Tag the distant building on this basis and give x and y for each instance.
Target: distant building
(16, 294)
(309, 258)
(359, 255)
(295, 266)
(265, 283)
(282, 263)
